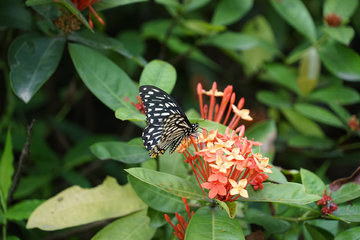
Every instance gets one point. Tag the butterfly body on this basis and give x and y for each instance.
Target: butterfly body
(168, 124)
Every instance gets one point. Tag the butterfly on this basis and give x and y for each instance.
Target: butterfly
(168, 124)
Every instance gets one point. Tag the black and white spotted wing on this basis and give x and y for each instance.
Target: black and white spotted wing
(168, 124)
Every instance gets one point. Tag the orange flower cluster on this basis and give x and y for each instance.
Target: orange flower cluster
(225, 164)
(215, 112)
(180, 228)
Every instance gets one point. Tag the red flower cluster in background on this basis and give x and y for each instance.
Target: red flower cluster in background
(180, 228)
(332, 19)
(329, 206)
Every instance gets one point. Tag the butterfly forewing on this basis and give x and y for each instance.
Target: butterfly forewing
(158, 104)
(168, 124)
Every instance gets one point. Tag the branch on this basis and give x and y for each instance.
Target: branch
(166, 38)
(24, 156)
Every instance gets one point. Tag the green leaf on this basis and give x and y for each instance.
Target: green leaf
(155, 197)
(260, 28)
(338, 95)
(314, 233)
(295, 13)
(169, 183)
(318, 114)
(352, 233)
(312, 183)
(209, 125)
(134, 227)
(157, 218)
(173, 164)
(69, 5)
(272, 225)
(262, 131)
(160, 74)
(347, 192)
(281, 193)
(120, 151)
(202, 27)
(192, 5)
(282, 75)
(340, 60)
(342, 34)
(76, 206)
(302, 124)
(106, 4)
(6, 169)
(272, 99)
(14, 14)
(80, 153)
(343, 8)
(229, 11)
(33, 63)
(349, 212)
(29, 184)
(239, 41)
(131, 114)
(208, 223)
(23, 209)
(103, 77)
(311, 142)
(341, 112)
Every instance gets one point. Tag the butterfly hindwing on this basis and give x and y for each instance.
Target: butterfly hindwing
(168, 124)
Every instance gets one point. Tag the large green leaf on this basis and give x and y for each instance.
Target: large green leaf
(295, 13)
(281, 193)
(155, 197)
(340, 60)
(6, 169)
(312, 183)
(213, 224)
(192, 5)
(302, 124)
(76, 206)
(169, 183)
(103, 77)
(33, 62)
(339, 95)
(229, 11)
(134, 227)
(120, 151)
(160, 74)
(318, 114)
(124, 114)
(271, 224)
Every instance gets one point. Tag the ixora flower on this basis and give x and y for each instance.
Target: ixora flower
(180, 228)
(329, 206)
(68, 20)
(215, 112)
